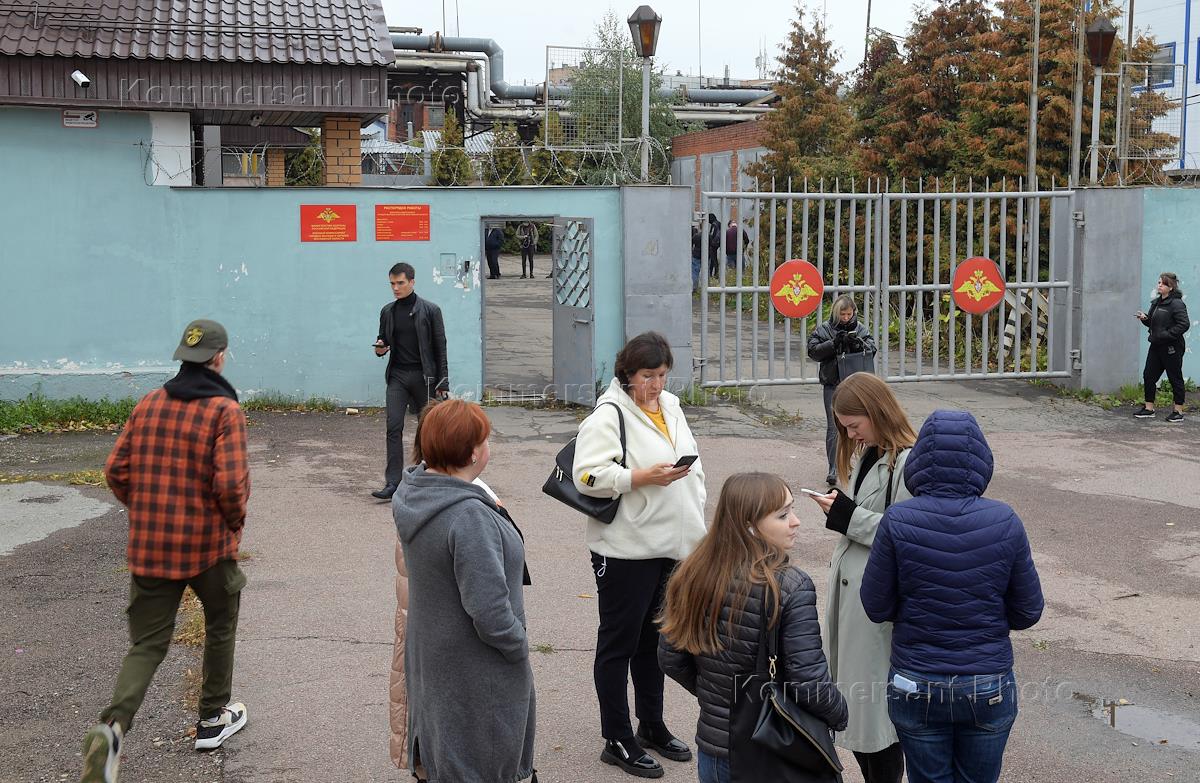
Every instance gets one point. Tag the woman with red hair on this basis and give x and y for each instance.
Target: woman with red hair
(466, 650)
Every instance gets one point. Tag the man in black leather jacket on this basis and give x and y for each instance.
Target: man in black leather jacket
(412, 335)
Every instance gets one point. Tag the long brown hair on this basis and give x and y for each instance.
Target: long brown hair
(730, 556)
(863, 394)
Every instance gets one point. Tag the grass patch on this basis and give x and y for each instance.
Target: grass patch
(544, 648)
(1131, 394)
(699, 396)
(37, 413)
(189, 620)
(274, 402)
(85, 478)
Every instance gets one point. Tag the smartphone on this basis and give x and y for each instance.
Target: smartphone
(814, 493)
(687, 460)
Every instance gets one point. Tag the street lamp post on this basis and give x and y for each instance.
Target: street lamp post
(1100, 36)
(644, 25)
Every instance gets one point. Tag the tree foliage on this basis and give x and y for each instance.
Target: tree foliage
(451, 166)
(953, 102)
(505, 164)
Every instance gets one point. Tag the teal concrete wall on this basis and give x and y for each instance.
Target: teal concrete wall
(100, 271)
(1171, 243)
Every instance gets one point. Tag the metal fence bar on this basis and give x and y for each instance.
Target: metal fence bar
(920, 305)
(1035, 263)
(1000, 321)
(951, 308)
(968, 357)
(937, 300)
(771, 266)
(787, 322)
(737, 278)
(722, 304)
(1018, 266)
(756, 206)
(985, 351)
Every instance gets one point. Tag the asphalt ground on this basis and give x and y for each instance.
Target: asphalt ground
(1110, 505)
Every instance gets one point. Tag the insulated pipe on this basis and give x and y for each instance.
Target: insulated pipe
(477, 108)
(439, 43)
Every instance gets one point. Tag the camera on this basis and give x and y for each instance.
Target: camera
(81, 79)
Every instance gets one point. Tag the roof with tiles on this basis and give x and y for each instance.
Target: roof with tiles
(307, 32)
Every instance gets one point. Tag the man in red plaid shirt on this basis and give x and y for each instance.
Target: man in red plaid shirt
(180, 465)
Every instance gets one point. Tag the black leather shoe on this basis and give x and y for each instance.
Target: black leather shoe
(673, 748)
(628, 759)
(385, 493)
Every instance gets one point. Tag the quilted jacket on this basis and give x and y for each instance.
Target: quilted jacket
(951, 569)
(710, 677)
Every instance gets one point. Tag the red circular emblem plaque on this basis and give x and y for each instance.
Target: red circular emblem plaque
(796, 289)
(977, 286)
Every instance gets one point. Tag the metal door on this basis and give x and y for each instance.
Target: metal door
(574, 311)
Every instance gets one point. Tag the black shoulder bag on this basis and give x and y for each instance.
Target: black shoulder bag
(771, 738)
(561, 485)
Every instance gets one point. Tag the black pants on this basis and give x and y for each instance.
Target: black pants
(493, 261)
(527, 254)
(885, 766)
(830, 431)
(406, 390)
(630, 594)
(1164, 358)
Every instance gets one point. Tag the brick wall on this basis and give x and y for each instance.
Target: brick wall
(728, 138)
(276, 167)
(739, 136)
(341, 141)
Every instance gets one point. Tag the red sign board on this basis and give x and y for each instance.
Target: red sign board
(402, 222)
(977, 286)
(328, 223)
(796, 289)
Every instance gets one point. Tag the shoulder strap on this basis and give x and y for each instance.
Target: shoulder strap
(891, 472)
(768, 640)
(621, 423)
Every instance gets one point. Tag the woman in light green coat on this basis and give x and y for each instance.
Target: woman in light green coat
(875, 435)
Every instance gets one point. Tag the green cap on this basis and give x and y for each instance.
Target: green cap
(201, 341)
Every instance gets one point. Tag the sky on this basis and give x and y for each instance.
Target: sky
(694, 33)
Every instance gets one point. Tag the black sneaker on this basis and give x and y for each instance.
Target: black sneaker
(630, 757)
(212, 732)
(101, 754)
(1174, 417)
(1144, 413)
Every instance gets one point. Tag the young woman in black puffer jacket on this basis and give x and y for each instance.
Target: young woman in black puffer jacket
(842, 333)
(712, 615)
(1167, 322)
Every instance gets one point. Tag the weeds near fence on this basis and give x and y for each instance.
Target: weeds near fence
(37, 413)
(275, 402)
(1129, 395)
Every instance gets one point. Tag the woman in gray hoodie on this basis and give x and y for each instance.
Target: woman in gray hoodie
(466, 650)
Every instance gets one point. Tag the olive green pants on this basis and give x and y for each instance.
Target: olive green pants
(153, 604)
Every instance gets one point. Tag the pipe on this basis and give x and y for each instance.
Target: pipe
(495, 55)
(476, 107)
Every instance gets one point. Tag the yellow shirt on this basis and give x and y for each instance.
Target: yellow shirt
(660, 421)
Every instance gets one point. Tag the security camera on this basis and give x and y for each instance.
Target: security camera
(81, 79)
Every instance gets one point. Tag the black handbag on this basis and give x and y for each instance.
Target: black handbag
(859, 361)
(771, 738)
(561, 485)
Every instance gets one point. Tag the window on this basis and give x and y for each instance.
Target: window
(1161, 72)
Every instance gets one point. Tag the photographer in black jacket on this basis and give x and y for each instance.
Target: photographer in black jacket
(1167, 322)
(842, 333)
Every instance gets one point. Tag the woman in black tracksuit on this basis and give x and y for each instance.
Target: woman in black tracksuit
(1167, 322)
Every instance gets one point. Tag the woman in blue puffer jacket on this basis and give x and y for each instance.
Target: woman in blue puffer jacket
(953, 571)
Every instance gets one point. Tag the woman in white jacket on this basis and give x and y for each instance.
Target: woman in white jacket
(659, 522)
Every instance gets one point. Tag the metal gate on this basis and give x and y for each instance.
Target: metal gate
(896, 253)
(574, 311)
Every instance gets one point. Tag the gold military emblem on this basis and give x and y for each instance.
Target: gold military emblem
(797, 290)
(328, 215)
(978, 286)
(193, 337)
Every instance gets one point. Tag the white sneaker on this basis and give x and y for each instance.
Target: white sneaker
(101, 754)
(212, 732)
